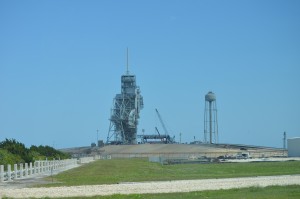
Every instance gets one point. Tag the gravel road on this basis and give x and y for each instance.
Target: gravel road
(151, 187)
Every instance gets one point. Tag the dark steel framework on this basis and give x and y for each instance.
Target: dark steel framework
(125, 112)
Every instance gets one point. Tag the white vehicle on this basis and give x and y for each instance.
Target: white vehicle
(243, 155)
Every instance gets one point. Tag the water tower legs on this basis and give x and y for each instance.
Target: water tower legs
(210, 119)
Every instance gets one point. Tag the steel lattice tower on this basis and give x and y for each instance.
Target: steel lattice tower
(125, 112)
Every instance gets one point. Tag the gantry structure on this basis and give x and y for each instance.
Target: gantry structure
(125, 112)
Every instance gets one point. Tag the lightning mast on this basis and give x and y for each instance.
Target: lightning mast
(125, 111)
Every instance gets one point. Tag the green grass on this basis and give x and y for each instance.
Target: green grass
(137, 170)
(272, 192)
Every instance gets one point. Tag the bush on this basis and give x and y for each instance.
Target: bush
(49, 152)
(16, 148)
(13, 152)
(9, 158)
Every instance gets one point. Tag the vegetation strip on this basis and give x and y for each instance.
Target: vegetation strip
(140, 170)
(14, 152)
(271, 192)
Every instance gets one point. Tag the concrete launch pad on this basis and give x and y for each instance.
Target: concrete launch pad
(184, 150)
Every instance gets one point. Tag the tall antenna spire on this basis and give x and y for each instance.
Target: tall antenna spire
(127, 71)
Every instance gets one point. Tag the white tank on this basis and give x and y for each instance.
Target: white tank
(210, 97)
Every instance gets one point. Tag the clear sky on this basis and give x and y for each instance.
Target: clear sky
(61, 64)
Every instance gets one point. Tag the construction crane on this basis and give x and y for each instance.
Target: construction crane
(162, 122)
(157, 131)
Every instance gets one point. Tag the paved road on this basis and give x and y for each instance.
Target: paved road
(151, 187)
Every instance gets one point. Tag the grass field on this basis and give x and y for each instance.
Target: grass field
(273, 192)
(137, 170)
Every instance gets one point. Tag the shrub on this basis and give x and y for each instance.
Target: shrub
(9, 158)
(13, 152)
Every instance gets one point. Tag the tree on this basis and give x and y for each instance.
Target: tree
(16, 148)
(13, 152)
(9, 158)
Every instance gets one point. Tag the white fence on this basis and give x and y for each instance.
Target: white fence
(88, 159)
(28, 170)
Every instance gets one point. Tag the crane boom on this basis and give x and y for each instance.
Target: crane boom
(157, 131)
(162, 122)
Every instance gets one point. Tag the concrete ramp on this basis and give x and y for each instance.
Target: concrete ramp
(183, 150)
(175, 150)
(146, 150)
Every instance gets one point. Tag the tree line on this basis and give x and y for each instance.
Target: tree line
(14, 152)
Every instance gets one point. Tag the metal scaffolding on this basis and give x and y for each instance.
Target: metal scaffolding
(125, 112)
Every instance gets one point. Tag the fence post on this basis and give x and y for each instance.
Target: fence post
(9, 172)
(1, 173)
(49, 165)
(30, 169)
(36, 167)
(44, 166)
(21, 170)
(26, 170)
(41, 166)
(61, 164)
(15, 171)
(54, 164)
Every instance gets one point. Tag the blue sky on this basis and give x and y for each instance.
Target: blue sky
(61, 64)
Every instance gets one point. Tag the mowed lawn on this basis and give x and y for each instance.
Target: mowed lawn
(137, 170)
(273, 192)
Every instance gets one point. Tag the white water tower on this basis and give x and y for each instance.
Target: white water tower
(210, 119)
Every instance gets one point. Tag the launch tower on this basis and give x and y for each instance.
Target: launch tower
(125, 111)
